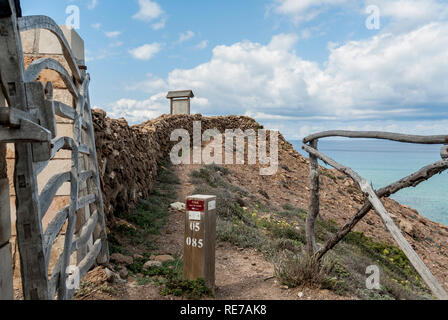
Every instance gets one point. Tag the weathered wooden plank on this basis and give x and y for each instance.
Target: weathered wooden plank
(5, 216)
(418, 264)
(28, 132)
(406, 138)
(67, 143)
(36, 67)
(62, 143)
(48, 193)
(44, 22)
(36, 93)
(4, 113)
(86, 200)
(29, 227)
(84, 149)
(63, 293)
(57, 144)
(12, 117)
(83, 214)
(6, 276)
(53, 230)
(47, 112)
(67, 112)
(74, 190)
(63, 110)
(84, 175)
(80, 111)
(4, 94)
(95, 184)
(89, 260)
(53, 282)
(313, 211)
(86, 232)
(86, 264)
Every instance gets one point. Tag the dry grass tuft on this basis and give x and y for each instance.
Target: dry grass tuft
(295, 270)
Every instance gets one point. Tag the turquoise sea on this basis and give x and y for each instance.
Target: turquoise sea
(383, 162)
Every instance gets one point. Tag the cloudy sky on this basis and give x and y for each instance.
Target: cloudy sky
(299, 66)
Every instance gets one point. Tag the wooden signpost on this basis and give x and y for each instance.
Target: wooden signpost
(200, 239)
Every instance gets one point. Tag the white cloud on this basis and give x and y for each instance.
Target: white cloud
(151, 85)
(92, 4)
(187, 35)
(135, 111)
(112, 34)
(116, 44)
(304, 10)
(385, 75)
(363, 79)
(202, 45)
(159, 25)
(385, 82)
(96, 26)
(306, 33)
(411, 9)
(249, 74)
(402, 70)
(148, 11)
(409, 14)
(403, 14)
(145, 52)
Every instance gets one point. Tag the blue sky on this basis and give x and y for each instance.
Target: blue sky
(299, 66)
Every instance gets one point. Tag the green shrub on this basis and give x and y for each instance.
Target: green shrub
(240, 235)
(192, 290)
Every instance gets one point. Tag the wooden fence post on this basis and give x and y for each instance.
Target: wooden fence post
(200, 239)
(29, 227)
(313, 211)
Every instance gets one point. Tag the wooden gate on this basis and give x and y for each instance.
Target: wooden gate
(29, 121)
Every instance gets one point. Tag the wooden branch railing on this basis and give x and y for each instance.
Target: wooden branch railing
(410, 181)
(406, 138)
(29, 122)
(373, 197)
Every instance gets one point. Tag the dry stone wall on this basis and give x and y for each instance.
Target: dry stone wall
(128, 156)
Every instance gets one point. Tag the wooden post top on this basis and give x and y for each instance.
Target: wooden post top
(201, 197)
(186, 94)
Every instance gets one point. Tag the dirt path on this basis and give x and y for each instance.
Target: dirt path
(240, 274)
